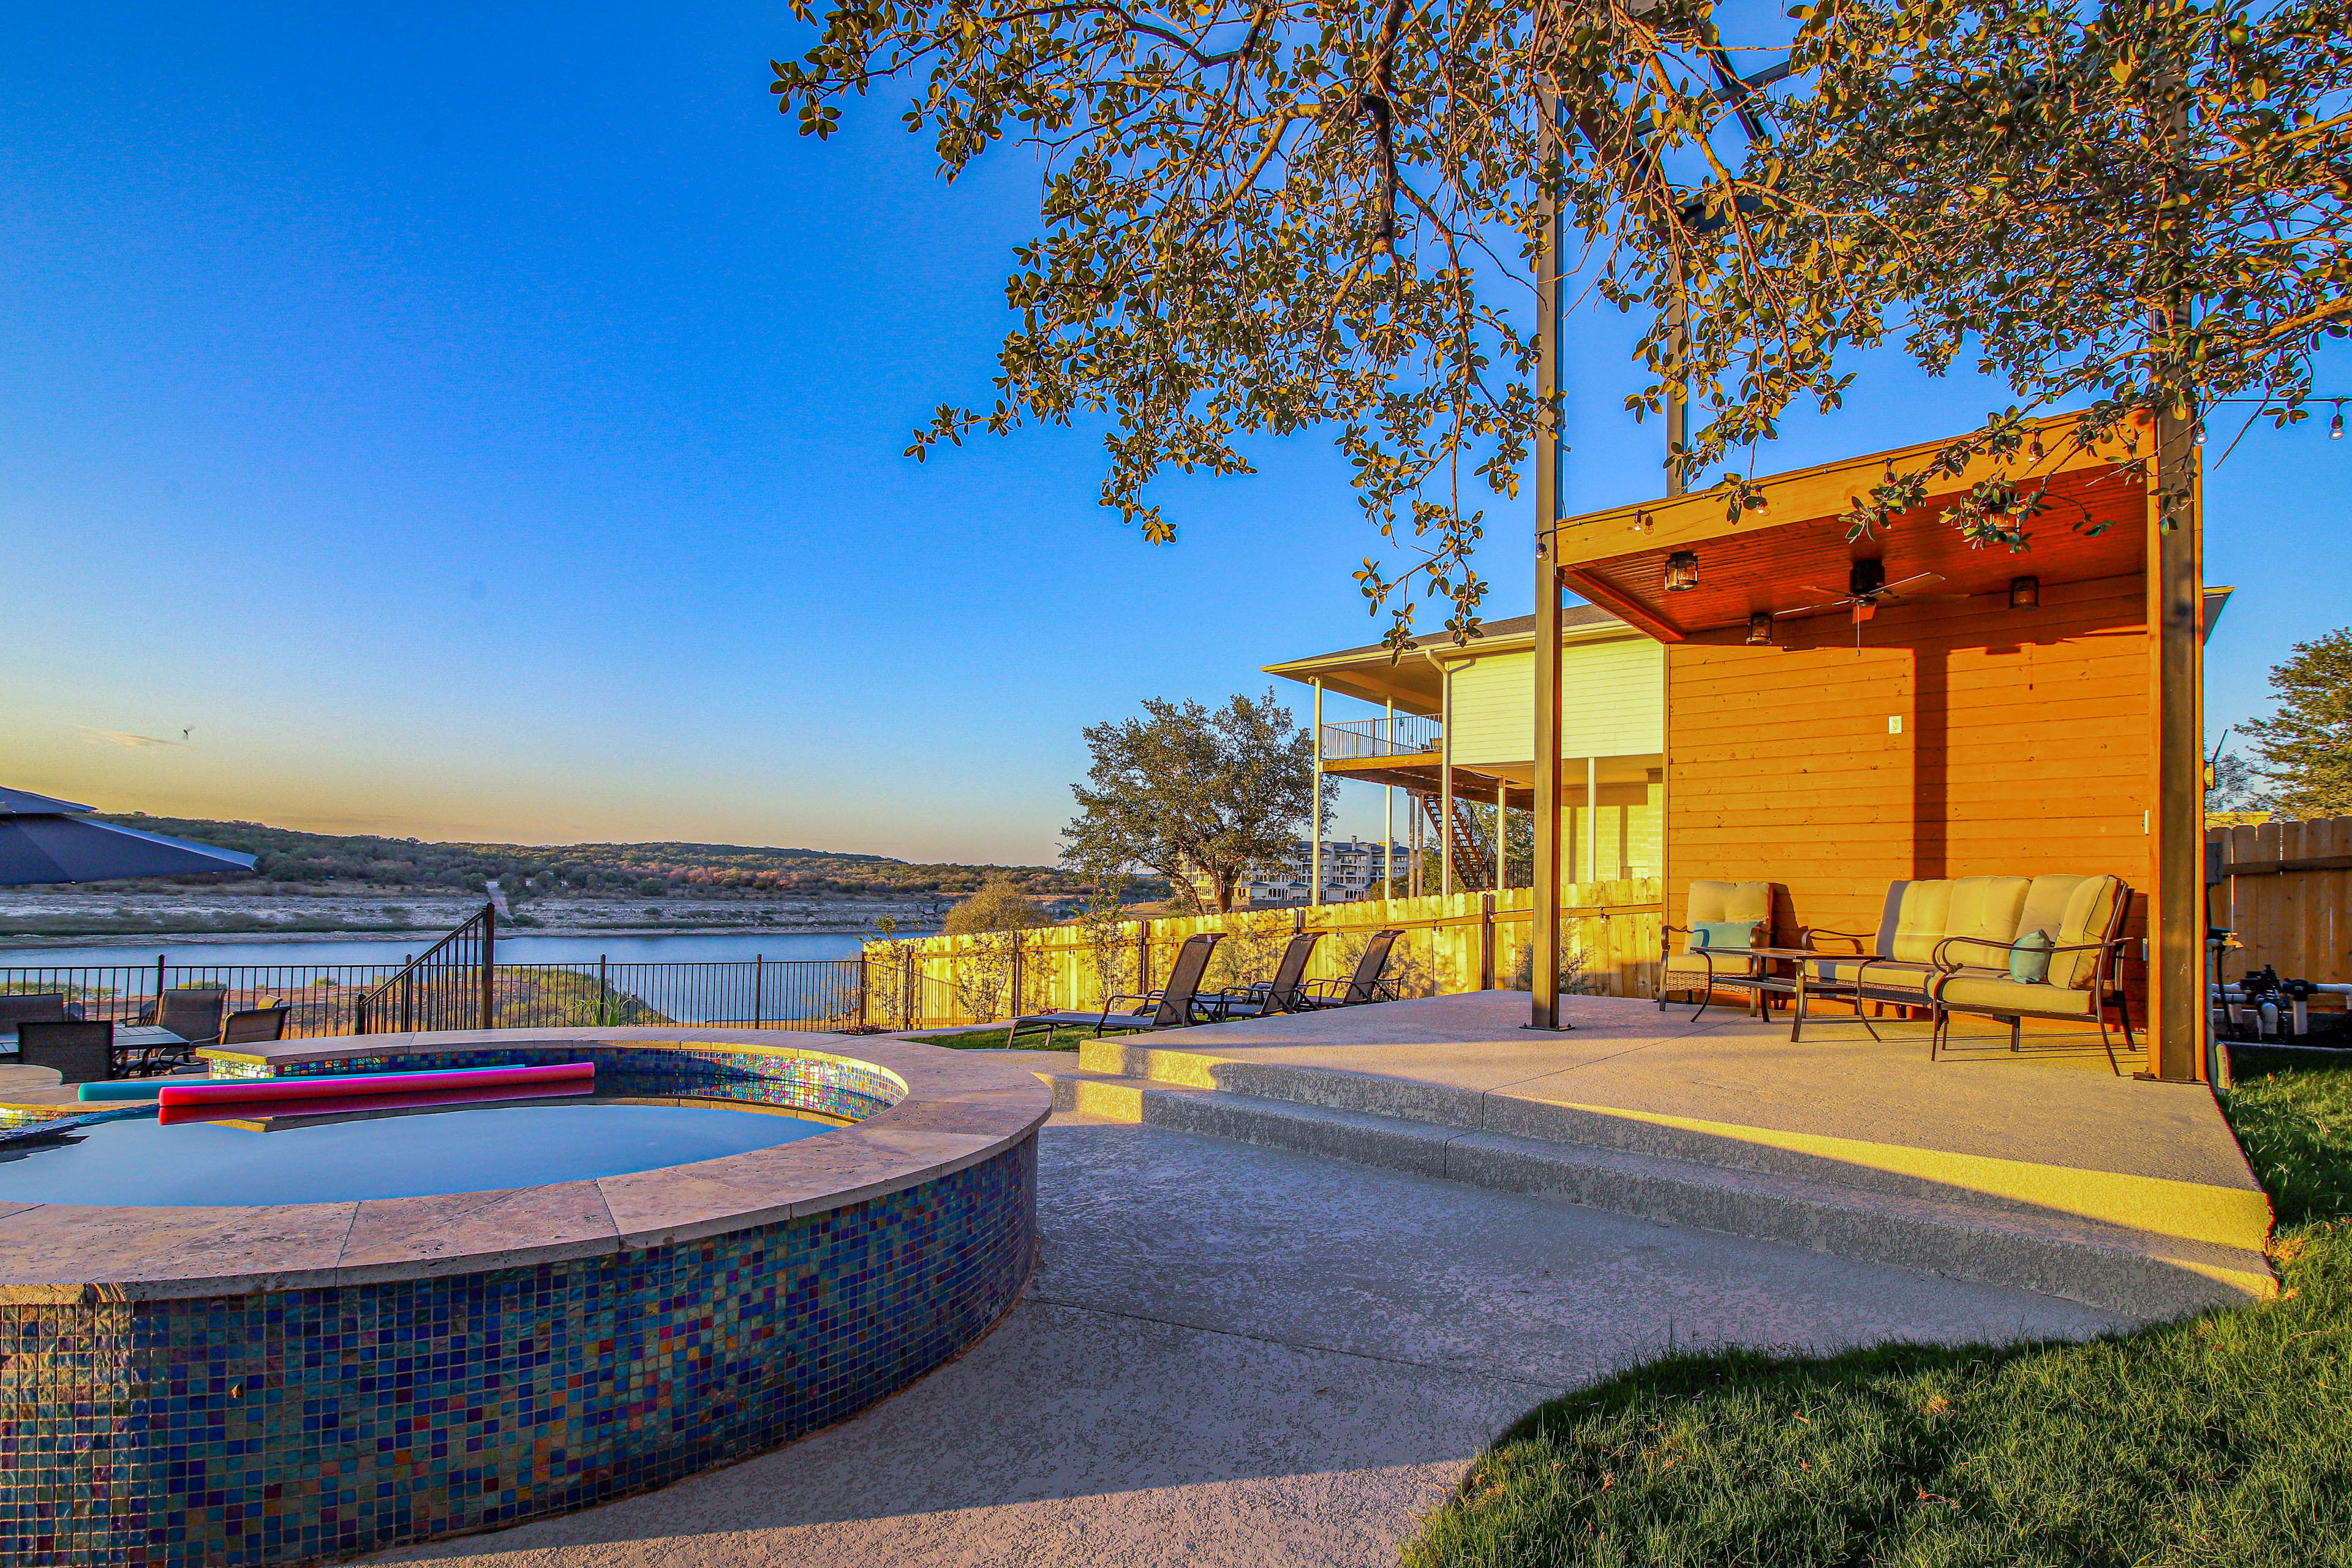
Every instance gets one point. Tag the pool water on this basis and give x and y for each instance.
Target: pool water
(381, 1154)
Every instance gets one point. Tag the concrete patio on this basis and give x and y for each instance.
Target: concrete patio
(2039, 1170)
(1237, 1357)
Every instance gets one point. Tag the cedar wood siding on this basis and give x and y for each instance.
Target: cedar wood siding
(2026, 749)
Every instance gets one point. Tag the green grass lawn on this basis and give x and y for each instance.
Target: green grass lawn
(993, 1039)
(2221, 1439)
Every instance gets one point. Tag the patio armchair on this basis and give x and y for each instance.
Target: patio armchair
(37, 1007)
(82, 1052)
(1173, 1006)
(1285, 992)
(1727, 920)
(1369, 983)
(193, 1012)
(252, 1025)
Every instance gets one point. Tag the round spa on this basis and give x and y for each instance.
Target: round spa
(259, 1334)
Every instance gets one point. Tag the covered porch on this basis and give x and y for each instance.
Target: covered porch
(1848, 713)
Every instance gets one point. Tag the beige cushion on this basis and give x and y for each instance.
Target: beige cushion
(2071, 909)
(1920, 924)
(1727, 962)
(1985, 909)
(1711, 901)
(1992, 991)
(1847, 969)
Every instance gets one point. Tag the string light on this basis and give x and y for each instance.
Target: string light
(2336, 425)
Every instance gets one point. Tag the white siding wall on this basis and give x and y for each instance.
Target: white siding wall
(1612, 703)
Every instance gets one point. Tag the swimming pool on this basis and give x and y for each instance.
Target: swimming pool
(287, 1381)
(391, 1154)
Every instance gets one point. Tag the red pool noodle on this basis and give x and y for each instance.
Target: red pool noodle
(252, 1090)
(351, 1104)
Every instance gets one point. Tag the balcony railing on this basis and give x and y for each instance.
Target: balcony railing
(1406, 735)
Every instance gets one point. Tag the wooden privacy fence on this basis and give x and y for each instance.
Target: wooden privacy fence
(1452, 943)
(2285, 890)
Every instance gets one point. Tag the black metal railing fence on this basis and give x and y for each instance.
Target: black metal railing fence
(333, 999)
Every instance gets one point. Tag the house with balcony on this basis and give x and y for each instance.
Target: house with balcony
(1454, 736)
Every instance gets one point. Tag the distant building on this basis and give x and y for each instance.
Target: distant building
(1353, 869)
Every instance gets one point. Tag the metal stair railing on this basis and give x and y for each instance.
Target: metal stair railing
(453, 985)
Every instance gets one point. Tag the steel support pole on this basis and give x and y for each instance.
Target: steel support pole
(1502, 836)
(1388, 813)
(490, 966)
(1593, 819)
(1315, 824)
(1544, 981)
(1445, 779)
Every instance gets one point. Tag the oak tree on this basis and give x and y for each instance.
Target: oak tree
(1199, 796)
(1259, 215)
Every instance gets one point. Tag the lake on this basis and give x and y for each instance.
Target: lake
(689, 947)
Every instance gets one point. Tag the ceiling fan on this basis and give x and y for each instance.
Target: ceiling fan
(1866, 588)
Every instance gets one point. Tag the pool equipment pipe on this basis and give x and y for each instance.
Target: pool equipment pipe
(249, 1090)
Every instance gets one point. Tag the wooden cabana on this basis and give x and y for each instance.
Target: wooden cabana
(1996, 712)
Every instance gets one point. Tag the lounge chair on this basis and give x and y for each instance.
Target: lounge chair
(1173, 1006)
(1727, 920)
(81, 1052)
(1947, 946)
(1285, 992)
(1369, 983)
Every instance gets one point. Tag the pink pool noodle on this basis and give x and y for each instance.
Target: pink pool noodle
(352, 1104)
(242, 1092)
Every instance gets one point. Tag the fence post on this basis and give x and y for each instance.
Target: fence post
(1015, 937)
(1485, 943)
(862, 980)
(907, 991)
(603, 994)
(1143, 957)
(159, 987)
(489, 958)
(758, 986)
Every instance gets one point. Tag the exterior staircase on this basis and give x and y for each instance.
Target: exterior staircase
(1473, 848)
(1654, 1169)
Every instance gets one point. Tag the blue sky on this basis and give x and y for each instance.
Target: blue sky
(486, 423)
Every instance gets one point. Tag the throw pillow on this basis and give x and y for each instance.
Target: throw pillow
(1722, 933)
(2029, 960)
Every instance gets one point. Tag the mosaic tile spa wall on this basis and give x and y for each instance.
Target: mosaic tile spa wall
(287, 1426)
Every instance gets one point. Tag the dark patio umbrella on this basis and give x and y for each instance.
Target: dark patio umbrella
(45, 840)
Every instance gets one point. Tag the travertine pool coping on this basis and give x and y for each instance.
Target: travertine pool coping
(960, 1109)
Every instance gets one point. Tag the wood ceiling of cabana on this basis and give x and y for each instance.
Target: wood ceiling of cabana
(2093, 527)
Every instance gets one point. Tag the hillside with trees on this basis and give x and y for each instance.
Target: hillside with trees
(670, 870)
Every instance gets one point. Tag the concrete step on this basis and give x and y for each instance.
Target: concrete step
(2186, 1211)
(2123, 1269)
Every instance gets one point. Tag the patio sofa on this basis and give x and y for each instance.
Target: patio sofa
(1972, 944)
